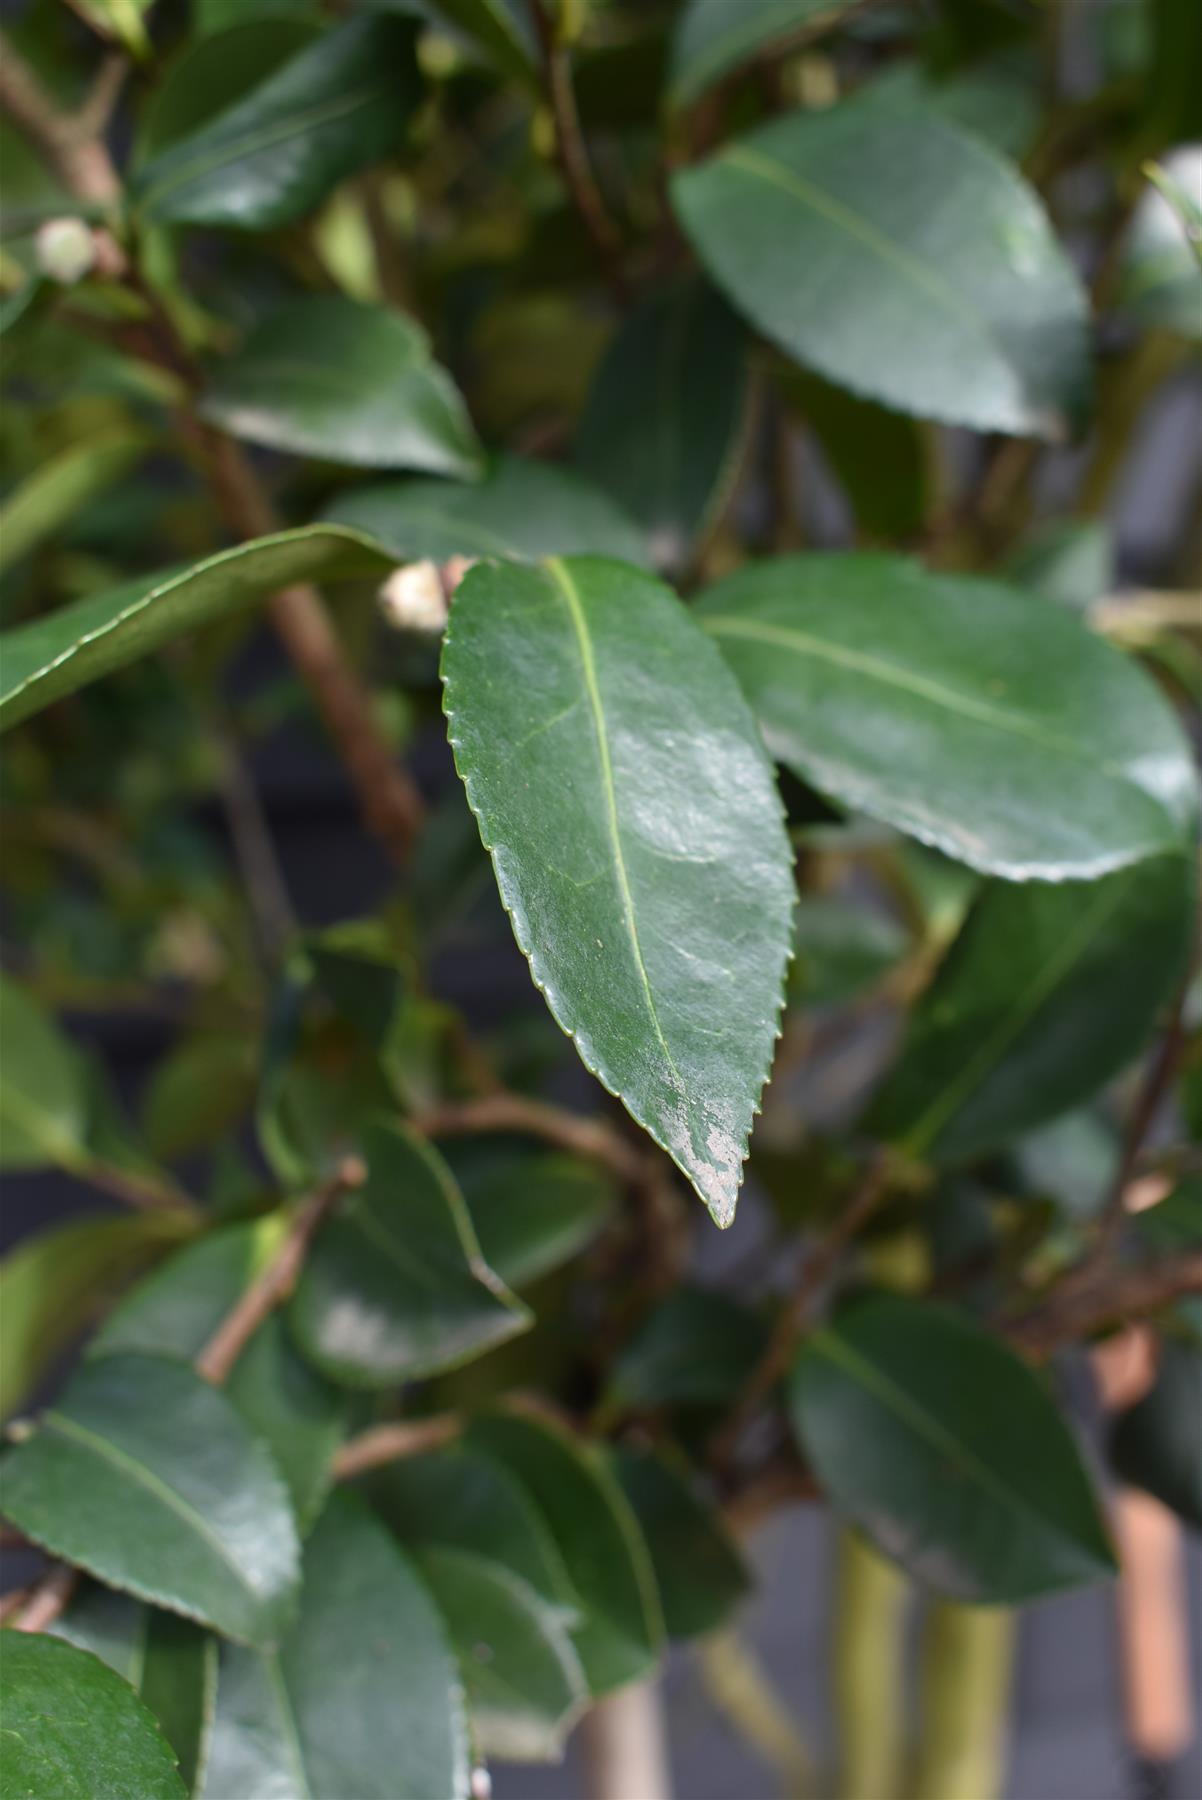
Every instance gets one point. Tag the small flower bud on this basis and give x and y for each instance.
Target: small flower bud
(66, 250)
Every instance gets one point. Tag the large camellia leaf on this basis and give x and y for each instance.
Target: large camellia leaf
(43, 1104)
(52, 1283)
(715, 36)
(620, 1629)
(350, 383)
(293, 1409)
(520, 509)
(395, 1285)
(74, 1730)
(361, 1697)
(944, 1447)
(698, 1570)
(63, 650)
(461, 1499)
(524, 1683)
(183, 1506)
(636, 834)
(898, 257)
(170, 1663)
(672, 473)
(338, 105)
(1047, 992)
(968, 714)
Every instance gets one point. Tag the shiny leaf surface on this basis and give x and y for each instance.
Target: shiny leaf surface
(670, 469)
(972, 716)
(699, 1572)
(618, 1637)
(532, 1212)
(524, 1683)
(185, 1508)
(361, 1697)
(63, 650)
(1047, 992)
(898, 257)
(395, 1285)
(74, 1730)
(945, 1449)
(288, 1405)
(462, 1500)
(340, 104)
(637, 840)
(521, 509)
(351, 383)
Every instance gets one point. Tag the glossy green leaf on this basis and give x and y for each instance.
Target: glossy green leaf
(699, 1572)
(970, 715)
(339, 105)
(900, 258)
(521, 509)
(395, 1285)
(43, 1107)
(360, 1698)
(997, 99)
(1047, 992)
(63, 650)
(184, 1507)
(1068, 560)
(670, 468)
(170, 1663)
(945, 1449)
(1160, 282)
(713, 37)
(200, 1090)
(1156, 1444)
(696, 1348)
(75, 1731)
(288, 1405)
(351, 383)
(212, 72)
(525, 1687)
(52, 1284)
(504, 28)
(637, 839)
(62, 485)
(531, 1211)
(461, 1499)
(619, 1635)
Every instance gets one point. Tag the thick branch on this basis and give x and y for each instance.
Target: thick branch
(275, 1284)
(390, 1443)
(1108, 1297)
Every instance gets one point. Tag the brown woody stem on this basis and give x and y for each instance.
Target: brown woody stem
(391, 1443)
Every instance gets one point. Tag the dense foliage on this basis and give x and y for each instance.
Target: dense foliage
(712, 409)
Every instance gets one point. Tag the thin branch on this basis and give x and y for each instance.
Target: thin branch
(570, 146)
(1153, 1092)
(593, 1138)
(391, 1443)
(46, 1601)
(1110, 1296)
(71, 146)
(816, 1272)
(149, 1193)
(271, 1288)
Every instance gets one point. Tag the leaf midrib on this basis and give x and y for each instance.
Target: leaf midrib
(153, 1484)
(888, 674)
(755, 162)
(567, 588)
(264, 137)
(979, 1066)
(926, 1426)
